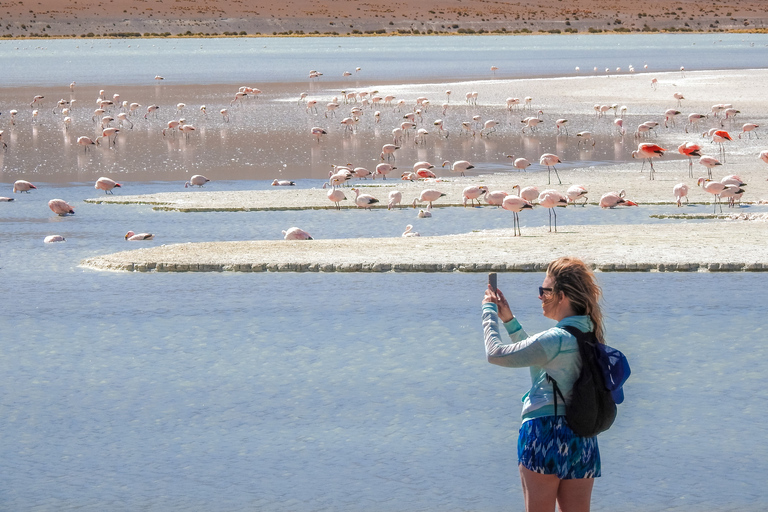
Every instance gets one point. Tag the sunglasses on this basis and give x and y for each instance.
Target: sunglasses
(543, 290)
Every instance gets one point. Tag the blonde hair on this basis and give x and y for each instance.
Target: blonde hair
(575, 279)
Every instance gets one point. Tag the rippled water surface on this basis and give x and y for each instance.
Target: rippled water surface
(340, 392)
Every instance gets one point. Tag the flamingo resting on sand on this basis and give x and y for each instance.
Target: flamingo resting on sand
(296, 234)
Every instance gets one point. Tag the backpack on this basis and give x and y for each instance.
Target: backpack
(598, 388)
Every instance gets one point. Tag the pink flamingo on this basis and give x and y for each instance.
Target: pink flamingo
(152, 109)
(86, 142)
(389, 151)
(472, 194)
(530, 194)
(50, 239)
(748, 128)
(550, 160)
(733, 189)
(428, 196)
(560, 124)
(614, 199)
(515, 205)
(520, 163)
(318, 132)
(134, 237)
(283, 183)
(647, 151)
(425, 173)
(409, 231)
(108, 133)
(335, 195)
(719, 137)
(764, 156)
(576, 192)
(22, 186)
(395, 198)
(198, 180)
(690, 150)
(460, 166)
(680, 191)
(709, 162)
(715, 188)
(60, 207)
(296, 234)
(106, 185)
(383, 170)
(364, 200)
(551, 199)
(495, 198)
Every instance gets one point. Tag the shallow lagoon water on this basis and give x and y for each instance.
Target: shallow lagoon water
(307, 392)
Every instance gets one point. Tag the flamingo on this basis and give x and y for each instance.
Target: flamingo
(489, 127)
(395, 198)
(187, 129)
(584, 137)
(364, 200)
(530, 194)
(425, 214)
(384, 169)
(680, 191)
(428, 196)
(614, 199)
(709, 162)
(764, 156)
(619, 123)
(108, 133)
(520, 163)
(335, 195)
(472, 193)
(172, 125)
(318, 132)
(425, 174)
(648, 151)
(361, 172)
(694, 120)
(106, 185)
(36, 99)
(690, 150)
(550, 160)
(732, 193)
(389, 151)
(86, 142)
(22, 186)
(749, 128)
(561, 124)
(6, 199)
(532, 122)
(495, 198)
(440, 129)
(679, 97)
(123, 117)
(50, 239)
(152, 109)
(576, 192)
(515, 205)
(158, 77)
(283, 183)
(715, 188)
(719, 137)
(224, 114)
(60, 207)
(670, 115)
(550, 199)
(296, 234)
(135, 237)
(409, 231)
(460, 166)
(197, 180)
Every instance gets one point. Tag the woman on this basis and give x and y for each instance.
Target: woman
(556, 465)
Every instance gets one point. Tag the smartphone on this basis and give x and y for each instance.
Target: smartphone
(492, 280)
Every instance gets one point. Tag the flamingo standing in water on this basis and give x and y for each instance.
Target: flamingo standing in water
(520, 163)
(550, 160)
(198, 180)
(647, 151)
(551, 199)
(296, 234)
(680, 191)
(135, 237)
(106, 185)
(86, 142)
(318, 132)
(428, 196)
(576, 192)
(22, 186)
(733, 190)
(459, 166)
(389, 151)
(530, 194)
(690, 150)
(60, 207)
(614, 199)
(395, 198)
(495, 198)
(716, 189)
(748, 128)
(515, 205)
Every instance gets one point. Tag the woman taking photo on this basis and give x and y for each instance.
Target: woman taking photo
(556, 465)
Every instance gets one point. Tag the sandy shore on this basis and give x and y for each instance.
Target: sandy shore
(52, 18)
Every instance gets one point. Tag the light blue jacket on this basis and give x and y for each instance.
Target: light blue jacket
(554, 352)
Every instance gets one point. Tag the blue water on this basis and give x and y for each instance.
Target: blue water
(339, 392)
(410, 58)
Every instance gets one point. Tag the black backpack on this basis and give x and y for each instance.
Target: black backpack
(592, 408)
